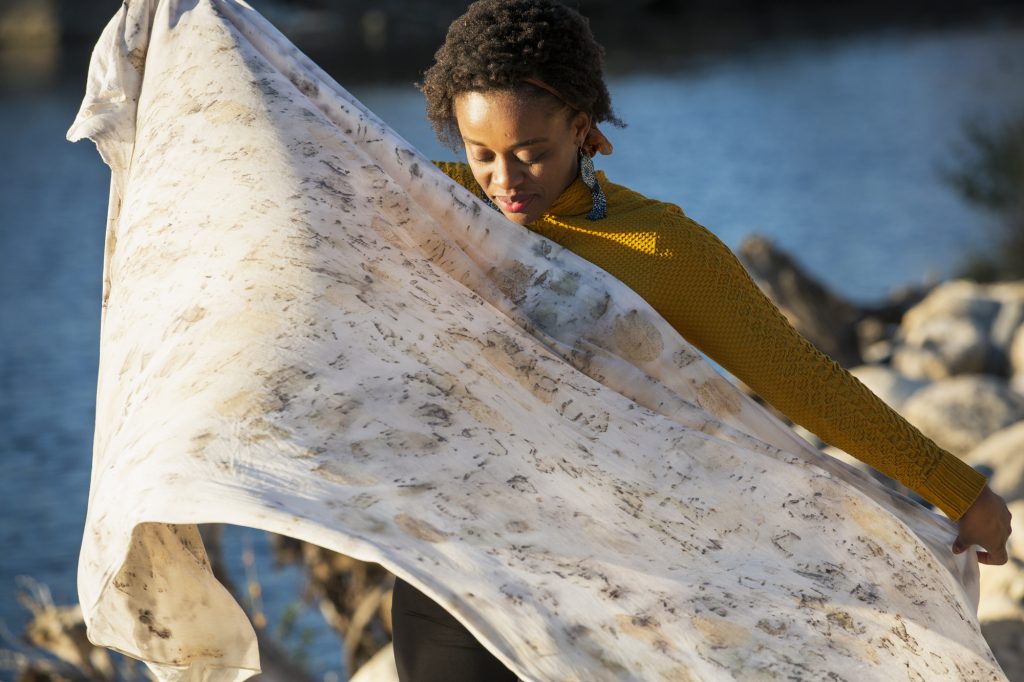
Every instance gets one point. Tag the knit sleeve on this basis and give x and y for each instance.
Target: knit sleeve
(713, 302)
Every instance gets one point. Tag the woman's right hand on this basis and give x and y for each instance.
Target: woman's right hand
(985, 523)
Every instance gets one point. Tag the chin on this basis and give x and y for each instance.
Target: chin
(520, 218)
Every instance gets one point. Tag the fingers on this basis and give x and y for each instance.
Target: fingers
(993, 558)
(986, 525)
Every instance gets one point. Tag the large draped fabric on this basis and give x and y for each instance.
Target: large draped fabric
(308, 328)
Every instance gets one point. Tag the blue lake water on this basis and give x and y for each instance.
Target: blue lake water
(829, 148)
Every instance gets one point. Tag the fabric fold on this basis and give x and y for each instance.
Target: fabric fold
(308, 328)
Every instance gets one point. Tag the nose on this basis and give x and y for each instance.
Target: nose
(505, 174)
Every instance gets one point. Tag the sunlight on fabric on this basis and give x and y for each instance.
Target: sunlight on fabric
(306, 330)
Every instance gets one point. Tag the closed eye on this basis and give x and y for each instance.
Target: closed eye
(528, 159)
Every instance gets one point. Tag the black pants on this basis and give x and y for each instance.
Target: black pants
(432, 646)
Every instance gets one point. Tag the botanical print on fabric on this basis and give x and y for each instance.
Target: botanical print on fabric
(308, 328)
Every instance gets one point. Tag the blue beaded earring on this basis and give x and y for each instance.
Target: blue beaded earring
(599, 208)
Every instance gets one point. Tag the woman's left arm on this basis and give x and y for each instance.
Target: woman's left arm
(713, 302)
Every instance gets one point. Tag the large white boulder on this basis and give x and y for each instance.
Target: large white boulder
(960, 328)
(956, 298)
(942, 347)
(947, 333)
(960, 412)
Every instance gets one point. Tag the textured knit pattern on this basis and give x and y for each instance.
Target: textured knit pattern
(699, 286)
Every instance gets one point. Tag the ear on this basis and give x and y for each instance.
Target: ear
(579, 124)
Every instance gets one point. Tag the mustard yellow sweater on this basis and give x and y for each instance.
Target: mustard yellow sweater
(699, 286)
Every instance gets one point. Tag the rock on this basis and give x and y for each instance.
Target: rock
(872, 330)
(889, 385)
(947, 333)
(1016, 543)
(1007, 323)
(1001, 606)
(1003, 452)
(879, 352)
(1016, 353)
(1005, 636)
(1017, 383)
(957, 298)
(960, 412)
(1007, 291)
(1002, 590)
(961, 328)
(942, 346)
(897, 302)
(821, 316)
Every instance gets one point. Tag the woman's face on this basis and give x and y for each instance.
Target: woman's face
(522, 151)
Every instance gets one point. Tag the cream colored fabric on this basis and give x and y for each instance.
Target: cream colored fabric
(308, 328)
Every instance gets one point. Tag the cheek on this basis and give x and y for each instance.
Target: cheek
(558, 171)
(479, 175)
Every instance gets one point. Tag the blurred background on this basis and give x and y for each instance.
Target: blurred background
(879, 144)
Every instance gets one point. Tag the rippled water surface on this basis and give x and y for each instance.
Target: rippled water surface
(831, 149)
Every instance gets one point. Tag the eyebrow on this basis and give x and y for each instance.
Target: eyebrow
(525, 143)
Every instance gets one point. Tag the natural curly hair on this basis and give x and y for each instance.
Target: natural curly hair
(497, 44)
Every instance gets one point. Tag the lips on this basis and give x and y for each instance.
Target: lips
(516, 204)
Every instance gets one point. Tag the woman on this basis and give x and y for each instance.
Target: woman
(519, 84)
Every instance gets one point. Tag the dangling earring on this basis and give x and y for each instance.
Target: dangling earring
(599, 207)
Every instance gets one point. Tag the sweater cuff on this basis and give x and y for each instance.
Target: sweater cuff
(952, 486)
